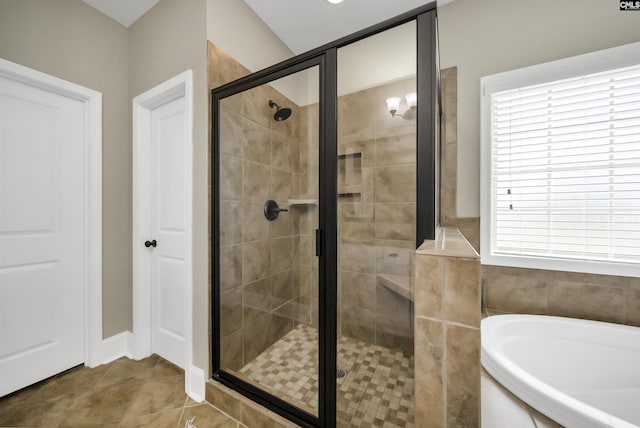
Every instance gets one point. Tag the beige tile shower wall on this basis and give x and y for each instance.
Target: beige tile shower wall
(532, 291)
(377, 224)
(259, 276)
(449, 145)
(447, 333)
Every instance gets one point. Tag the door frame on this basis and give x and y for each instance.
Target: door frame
(177, 87)
(95, 351)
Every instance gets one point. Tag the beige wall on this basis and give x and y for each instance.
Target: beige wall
(236, 29)
(167, 40)
(75, 42)
(255, 46)
(483, 37)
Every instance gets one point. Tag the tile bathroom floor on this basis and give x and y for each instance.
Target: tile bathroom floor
(376, 391)
(128, 393)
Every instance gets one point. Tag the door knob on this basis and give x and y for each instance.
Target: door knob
(150, 243)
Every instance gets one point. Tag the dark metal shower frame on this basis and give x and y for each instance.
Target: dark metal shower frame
(325, 57)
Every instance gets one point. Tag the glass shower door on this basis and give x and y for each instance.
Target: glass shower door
(266, 282)
(377, 167)
(324, 178)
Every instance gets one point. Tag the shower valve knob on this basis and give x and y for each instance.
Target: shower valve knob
(271, 210)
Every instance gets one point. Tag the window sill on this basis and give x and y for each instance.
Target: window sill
(565, 265)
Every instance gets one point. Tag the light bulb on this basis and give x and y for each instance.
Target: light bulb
(412, 99)
(334, 1)
(393, 103)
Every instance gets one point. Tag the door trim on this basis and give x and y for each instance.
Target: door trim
(94, 354)
(174, 88)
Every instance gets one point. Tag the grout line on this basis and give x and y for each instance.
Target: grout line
(547, 290)
(459, 324)
(182, 412)
(627, 293)
(221, 411)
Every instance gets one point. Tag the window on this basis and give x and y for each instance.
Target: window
(561, 164)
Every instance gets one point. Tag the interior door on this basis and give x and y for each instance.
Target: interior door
(42, 227)
(168, 231)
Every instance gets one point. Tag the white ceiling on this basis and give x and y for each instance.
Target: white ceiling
(301, 24)
(126, 12)
(306, 24)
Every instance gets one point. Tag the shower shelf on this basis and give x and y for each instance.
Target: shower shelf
(398, 284)
(350, 191)
(350, 155)
(293, 202)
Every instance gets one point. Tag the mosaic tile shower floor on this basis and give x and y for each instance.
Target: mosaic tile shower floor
(377, 389)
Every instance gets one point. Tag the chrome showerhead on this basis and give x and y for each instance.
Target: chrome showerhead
(282, 113)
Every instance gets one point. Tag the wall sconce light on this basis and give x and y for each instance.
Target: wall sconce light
(393, 103)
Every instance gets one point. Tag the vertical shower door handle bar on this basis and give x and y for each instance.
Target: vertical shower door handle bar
(318, 243)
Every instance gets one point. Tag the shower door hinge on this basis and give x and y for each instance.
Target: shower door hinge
(318, 243)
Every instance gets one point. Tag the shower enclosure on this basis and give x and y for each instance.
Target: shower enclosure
(324, 182)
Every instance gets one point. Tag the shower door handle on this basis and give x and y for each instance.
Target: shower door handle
(318, 243)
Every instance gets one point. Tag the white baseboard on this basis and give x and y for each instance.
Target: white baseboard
(195, 384)
(115, 347)
(121, 345)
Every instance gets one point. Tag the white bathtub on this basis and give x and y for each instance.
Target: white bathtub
(579, 373)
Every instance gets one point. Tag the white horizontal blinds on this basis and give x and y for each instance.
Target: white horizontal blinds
(566, 168)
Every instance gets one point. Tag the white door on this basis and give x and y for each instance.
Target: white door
(42, 227)
(168, 229)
